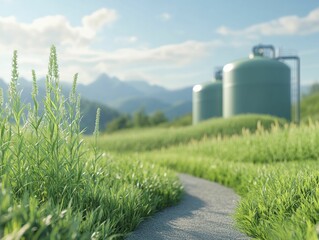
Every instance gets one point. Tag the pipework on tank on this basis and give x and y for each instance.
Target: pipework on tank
(259, 50)
(219, 73)
(297, 60)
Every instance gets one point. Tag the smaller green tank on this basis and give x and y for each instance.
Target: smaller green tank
(207, 100)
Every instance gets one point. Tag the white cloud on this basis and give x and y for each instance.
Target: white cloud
(166, 16)
(98, 19)
(44, 31)
(77, 54)
(33, 40)
(287, 25)
(128, 63)
(179, 54)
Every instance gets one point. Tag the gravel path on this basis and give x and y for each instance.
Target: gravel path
(203, 213)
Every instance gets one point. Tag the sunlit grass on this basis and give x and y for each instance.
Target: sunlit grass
(55, 186)
(275, 172)
(274, 169)
(163, 137)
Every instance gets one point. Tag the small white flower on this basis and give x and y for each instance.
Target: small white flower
(62, 214)
(47, 220)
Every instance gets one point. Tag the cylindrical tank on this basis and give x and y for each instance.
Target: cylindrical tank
(256, 85)
(207, 101)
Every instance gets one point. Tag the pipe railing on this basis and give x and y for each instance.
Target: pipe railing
(256, 49)
(297, 59)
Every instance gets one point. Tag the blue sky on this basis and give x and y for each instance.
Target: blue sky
(173, 43)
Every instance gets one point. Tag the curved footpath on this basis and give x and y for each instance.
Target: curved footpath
(204, 213)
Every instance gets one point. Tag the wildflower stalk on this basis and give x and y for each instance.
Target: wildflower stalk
(16, 115)
(35, 120)
(73, 125)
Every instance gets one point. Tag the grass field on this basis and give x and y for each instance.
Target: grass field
(310, 107)
(55, 186)
(137, 140)
(274, 169)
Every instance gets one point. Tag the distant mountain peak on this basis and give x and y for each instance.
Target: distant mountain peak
(105, 79)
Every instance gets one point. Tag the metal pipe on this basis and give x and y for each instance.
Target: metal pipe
(297, 59)
(261, 46)
(219, 74)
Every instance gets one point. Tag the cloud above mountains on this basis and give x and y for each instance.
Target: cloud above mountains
(287, 25)
(81, 48)
(44, 31)
(76, 51)
(127, 63)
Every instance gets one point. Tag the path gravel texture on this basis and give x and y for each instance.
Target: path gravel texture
(204, 213)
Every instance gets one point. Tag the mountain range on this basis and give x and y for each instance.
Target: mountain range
(88, 107)
(131, 96)
(116, 97)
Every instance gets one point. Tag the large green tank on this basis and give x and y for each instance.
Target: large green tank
(207, 100)
(257, 85)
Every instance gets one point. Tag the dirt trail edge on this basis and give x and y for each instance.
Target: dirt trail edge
(204, 213)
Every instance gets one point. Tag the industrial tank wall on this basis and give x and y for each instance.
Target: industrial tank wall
(207, 101)
(257, 85)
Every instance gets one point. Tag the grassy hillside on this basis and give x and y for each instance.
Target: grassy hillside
(54, 185)
(309, 107)
(183, 121)
(275, 172)
(273, 168)
(157, 138)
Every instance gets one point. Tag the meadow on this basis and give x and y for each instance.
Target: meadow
(271, 164)
(140, 140)
(57, 184)
(54, 185)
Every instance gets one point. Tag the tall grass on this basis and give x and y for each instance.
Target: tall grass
(53, 186)
(275, 172)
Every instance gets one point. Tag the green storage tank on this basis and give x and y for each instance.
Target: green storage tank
(207, 100)
(257, 84)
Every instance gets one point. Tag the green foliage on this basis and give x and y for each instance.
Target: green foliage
(139, 120)
(28, 220)
(120, 123)
(273, 168)
(163, 137)
(282, 203)
(181, 121)
(314, 88)
(157, 118)
(275, 172)
(53, 186)
(309, 107)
